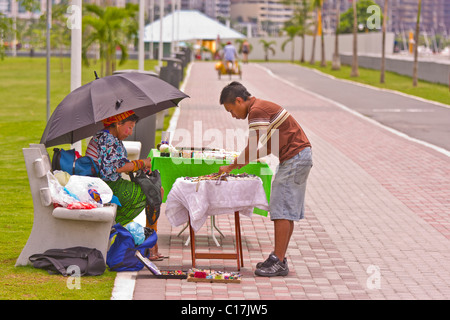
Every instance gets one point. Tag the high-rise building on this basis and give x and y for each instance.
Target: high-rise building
(217, 9)
(267, 16)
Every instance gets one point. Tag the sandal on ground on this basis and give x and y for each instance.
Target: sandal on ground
(155, 258)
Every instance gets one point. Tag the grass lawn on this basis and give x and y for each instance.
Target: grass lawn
(393, 81)
(23, 110)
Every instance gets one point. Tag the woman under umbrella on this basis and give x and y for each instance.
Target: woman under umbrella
(107, 149)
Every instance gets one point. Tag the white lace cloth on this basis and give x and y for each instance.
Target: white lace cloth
(209, 198)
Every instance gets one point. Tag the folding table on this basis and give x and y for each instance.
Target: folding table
(193, 202)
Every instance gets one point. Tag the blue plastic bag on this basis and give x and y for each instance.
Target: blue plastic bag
(121, 254)
(137, 231)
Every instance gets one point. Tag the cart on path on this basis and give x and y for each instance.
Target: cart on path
(229, 68)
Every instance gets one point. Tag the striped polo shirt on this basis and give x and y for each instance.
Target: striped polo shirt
(268, 118)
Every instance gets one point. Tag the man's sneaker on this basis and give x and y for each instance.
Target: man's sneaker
(268, 262)
(273, 267)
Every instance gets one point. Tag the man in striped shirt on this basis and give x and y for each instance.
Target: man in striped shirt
(278, 133)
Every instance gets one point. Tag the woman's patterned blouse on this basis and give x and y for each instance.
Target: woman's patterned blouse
(111, 155)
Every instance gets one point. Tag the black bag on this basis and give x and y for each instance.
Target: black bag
(90, 261)
(151, 186)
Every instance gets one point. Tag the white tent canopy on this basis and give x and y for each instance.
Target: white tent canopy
(193, 25)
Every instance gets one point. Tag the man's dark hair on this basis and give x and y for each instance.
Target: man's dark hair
(232, 91)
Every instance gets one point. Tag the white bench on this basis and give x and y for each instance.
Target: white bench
(59, 228)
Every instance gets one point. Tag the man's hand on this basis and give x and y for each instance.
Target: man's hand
(227, 169)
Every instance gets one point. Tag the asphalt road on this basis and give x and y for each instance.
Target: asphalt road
(417, 118)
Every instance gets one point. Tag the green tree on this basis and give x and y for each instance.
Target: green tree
(300, 21)
(292, 30)
(5, 28)
(267, 46)
(109, 28)
(346, 21)
(59, 33)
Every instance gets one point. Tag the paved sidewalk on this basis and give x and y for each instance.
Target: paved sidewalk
(377, 223)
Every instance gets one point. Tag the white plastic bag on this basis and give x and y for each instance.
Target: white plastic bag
(59, 195)
(87, 189)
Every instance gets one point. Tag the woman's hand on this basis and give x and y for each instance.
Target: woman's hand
(148, 163)
(135, 165)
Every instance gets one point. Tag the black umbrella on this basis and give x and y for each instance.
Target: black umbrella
(80, 114)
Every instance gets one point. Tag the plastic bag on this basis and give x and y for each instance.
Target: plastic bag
(137, 231)
(62, 176)
(89, 189)
(59, 195)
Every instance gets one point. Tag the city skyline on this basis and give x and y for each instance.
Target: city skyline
(402, 14)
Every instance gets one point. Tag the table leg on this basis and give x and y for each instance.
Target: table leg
(192, 237)
(212, 231)
(213, 220)
(239, 254)
(184, 228)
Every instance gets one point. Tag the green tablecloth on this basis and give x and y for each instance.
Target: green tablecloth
(173, 168)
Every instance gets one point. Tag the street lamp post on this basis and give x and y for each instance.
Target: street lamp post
(49, 25)
(75, 53)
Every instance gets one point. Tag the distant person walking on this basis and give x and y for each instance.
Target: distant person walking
(229, 53)
(245, 51)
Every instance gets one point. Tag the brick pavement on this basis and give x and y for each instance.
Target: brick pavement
(377, 222)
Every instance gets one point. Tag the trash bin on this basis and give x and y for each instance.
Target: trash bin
(173, 72)
(187, 54)
(181, 56)
(145, 129)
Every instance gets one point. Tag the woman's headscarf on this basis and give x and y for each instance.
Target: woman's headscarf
(117, 118)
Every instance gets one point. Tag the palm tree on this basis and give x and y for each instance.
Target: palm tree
(109, 28)
(60, 36)
(383, 44)
(302, 18)
(267, 47)
(355, 72)
(5, 27)
(416, 44)
(291, 30)
(323, 62)
(336, 64)
(315, 5)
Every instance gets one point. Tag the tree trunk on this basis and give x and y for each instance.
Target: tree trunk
(293, 49)
(355, 71)
(416, 45)
(313, 52)
(323, 62)
(302, 58)
(336, 65)
(383, 44)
